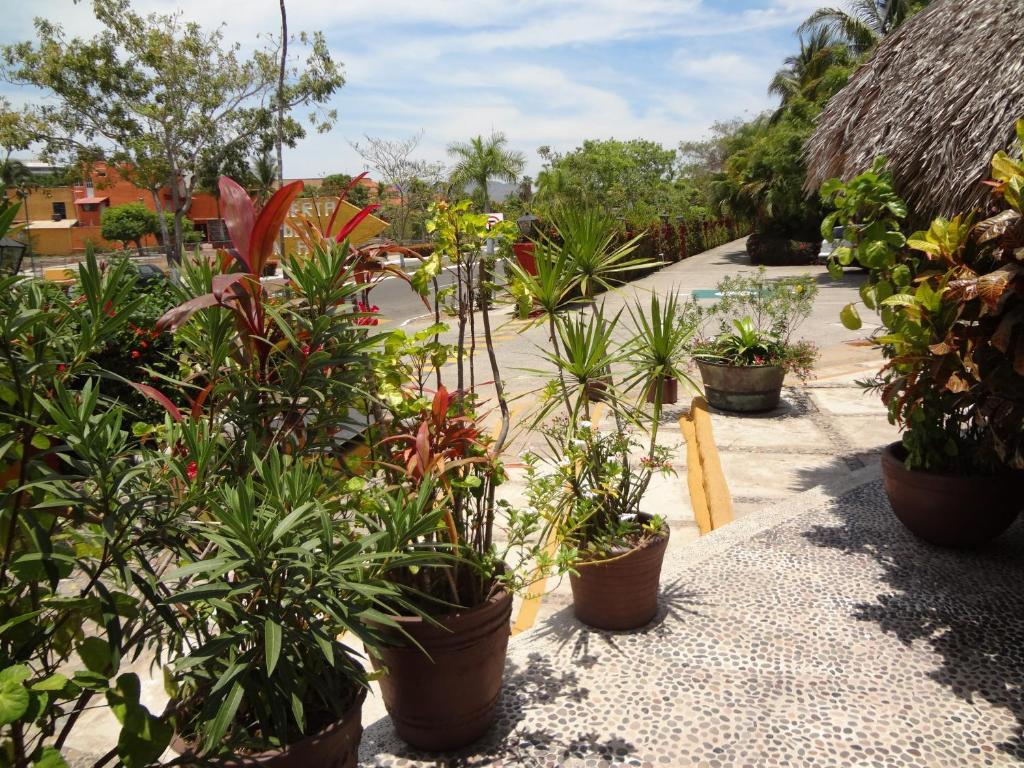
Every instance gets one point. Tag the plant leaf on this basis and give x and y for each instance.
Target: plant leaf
(272, 644)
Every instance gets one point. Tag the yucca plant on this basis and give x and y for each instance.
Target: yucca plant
(589, 245)
(659, 347)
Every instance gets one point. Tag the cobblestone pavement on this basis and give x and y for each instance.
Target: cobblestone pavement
(816, 633)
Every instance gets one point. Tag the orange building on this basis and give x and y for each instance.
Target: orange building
(61, 221)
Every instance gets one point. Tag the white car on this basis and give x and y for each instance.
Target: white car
(829, 246)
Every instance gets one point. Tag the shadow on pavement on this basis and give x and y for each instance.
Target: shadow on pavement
(967, 606)
(536, 683)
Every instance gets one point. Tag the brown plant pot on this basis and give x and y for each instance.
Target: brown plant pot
(669, 391)
(957, 511)
(596, 390)
(336, 746)
(448, 699)
(741, 388)
(621, 592)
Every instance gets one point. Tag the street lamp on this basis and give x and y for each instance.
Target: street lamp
(528, 225)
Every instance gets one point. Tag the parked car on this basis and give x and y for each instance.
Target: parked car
(829, 246)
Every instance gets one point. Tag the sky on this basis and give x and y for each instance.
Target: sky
(543, 72)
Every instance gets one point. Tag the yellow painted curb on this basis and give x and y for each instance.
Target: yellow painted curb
(531, 603)
(709, 492)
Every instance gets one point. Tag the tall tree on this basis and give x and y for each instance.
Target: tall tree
(407, 185)
(804, 74)
(479, 160)
(165, 95)
(863, 22)
(265, 175)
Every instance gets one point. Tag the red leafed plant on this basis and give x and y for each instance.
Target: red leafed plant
(441, 442)
(252, 239)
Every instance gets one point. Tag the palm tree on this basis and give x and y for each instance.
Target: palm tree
(264, 177)
(481, 159)
(14, 174)
(864, 23)
(802, 74)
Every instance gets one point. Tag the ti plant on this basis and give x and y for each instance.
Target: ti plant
(950, 300)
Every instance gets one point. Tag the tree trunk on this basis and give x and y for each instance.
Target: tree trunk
(138, 245)
(162, 221)
(280, 110)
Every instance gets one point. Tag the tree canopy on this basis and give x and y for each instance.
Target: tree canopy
(128, 223)
(165, 95)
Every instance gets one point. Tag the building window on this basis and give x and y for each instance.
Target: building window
(60, 209)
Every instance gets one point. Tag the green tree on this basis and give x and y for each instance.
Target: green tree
(128, 223)
(634, 178)
(335, 183)
(167, 94)
(263, 173)
(806, 73)
(480, 160)
(864, 22)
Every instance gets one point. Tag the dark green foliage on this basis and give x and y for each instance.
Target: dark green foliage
(129, 223)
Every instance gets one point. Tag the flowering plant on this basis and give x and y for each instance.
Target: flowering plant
(592, 494)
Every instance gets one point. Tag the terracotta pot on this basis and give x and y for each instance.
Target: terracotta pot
(669, 391)
(336, 746)
(447, 700)
(621, 592)
(951, 510)
(741, 388)
(524, 253)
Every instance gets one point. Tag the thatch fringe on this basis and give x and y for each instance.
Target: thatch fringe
(938, 98)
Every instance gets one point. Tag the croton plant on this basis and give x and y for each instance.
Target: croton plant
(951, 299)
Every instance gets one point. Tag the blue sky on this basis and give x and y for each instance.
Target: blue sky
(543, 71)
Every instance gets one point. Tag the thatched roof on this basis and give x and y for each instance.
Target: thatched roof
(938, 98)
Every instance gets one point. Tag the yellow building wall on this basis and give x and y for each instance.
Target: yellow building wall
(38, 203)
(319, 210)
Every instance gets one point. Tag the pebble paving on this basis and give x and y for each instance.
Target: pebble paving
(830, 637)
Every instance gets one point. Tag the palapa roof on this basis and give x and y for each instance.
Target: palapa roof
(938, 97)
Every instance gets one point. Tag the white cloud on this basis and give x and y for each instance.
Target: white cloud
(543, 71)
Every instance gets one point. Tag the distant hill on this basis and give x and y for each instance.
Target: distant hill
(498, 191)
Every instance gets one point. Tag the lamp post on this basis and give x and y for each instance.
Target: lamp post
(527, 225)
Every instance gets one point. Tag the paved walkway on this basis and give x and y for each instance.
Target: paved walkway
(816, 633)
(813, 631)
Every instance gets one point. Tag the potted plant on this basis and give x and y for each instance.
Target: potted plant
(589, 488)
(660, 346)
(278, 575)
(949, 299)
(278, 558)
(744, 364)
(442, 668)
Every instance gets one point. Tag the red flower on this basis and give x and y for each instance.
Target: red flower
(192, 470)
(61, 367)
(136, 354)
(367, 310)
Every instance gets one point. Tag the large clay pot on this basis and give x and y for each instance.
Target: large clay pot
(621, 592)
(951, 510)
(336, 746)
(741, 388)
(446, 698)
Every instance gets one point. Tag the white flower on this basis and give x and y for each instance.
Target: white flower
(579, 443)
(585, 425)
